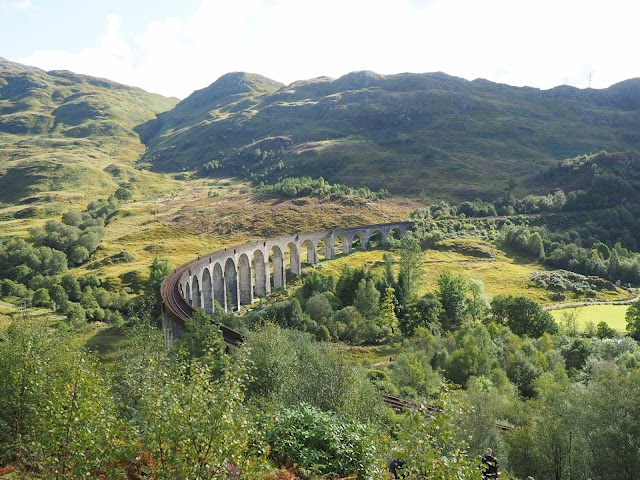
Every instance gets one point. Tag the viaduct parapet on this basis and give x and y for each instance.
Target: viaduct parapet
(235, 276)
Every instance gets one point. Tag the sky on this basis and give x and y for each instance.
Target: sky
(174, 47)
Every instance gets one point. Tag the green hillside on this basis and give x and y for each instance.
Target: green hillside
(66, 137)
(442, 136)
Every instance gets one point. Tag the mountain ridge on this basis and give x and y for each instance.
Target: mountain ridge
(431, 134)
(60, 130)
(416, 125)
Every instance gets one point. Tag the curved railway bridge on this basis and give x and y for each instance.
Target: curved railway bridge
(236, 276)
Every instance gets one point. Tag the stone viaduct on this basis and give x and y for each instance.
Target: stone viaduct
(235, 276)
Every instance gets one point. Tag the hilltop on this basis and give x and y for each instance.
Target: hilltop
(442, 136)
(68, 137)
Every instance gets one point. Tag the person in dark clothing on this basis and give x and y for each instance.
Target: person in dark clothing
(489, 465)
(395, 466)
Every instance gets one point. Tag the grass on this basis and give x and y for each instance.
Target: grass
(110, 344)
(502, 274)
(371, 355)
(5, 321)
(612, 315)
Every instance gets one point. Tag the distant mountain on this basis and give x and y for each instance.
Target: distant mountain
(61, 132)
(65, 135)
(410, 133)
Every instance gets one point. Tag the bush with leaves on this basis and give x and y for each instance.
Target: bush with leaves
(432, 446)
(56, 411)
(321, 443)
(633, 320)
(194, 426)
(288, 367)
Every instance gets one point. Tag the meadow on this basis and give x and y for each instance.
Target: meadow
(612, 315)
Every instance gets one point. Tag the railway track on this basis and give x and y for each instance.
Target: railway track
(181, 309)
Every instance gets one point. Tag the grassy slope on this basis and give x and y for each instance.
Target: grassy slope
(455, 255)
(410, 133)
(67, 138)
(188, 221)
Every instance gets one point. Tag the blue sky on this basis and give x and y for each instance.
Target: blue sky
(175, 47)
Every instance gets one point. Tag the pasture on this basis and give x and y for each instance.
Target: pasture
(613, 315)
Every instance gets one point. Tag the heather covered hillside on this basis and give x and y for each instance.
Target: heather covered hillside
(442, 136)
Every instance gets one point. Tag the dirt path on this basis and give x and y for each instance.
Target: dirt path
(625, 301)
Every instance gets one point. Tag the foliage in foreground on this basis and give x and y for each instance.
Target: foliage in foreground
(157, 416)
(430, 448)
(321, 443)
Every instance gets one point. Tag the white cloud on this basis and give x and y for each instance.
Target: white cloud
(112, 58)
(543, 43)
(16, 5)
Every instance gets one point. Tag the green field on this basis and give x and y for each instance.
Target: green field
(613, 315)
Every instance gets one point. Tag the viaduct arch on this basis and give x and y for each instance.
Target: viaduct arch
(235, 276)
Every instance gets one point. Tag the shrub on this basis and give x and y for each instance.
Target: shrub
(321, 443)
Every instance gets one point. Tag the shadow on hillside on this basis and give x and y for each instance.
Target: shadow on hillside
(516, 257)
(106, 342)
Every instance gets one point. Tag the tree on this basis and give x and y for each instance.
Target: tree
(202, 340)
(313, 283)
(57, 413)
(603, 330)
(423, 312)
(288, 314)
(387, 310)
(367, 299)
(452, 294)
(71, 285)
(524, 316)
(473, 355)
(348, 284)
(41, 298)
(122, 193)
(570, 321)
(613, 265)
(432, 446)
(289, 368)
(319, 308)
(536, 246)
(576, 353)
(78, 255)
(477, 301)
(151, 302)
(76, 315)
(389, 277)
(609, 416)
(411, 272)
(550, 445)
(58, 296)
(633, 319)
(321, 443)
(412, 372)
(196, 426)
